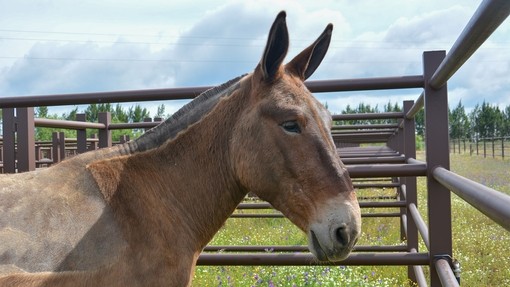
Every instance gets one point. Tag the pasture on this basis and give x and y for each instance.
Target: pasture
(481, 246)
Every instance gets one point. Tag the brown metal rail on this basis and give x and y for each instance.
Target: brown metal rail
(307, 259)
(492, 203)
(297, 248)
(192, 92)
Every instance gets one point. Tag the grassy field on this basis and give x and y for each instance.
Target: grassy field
(482, 247)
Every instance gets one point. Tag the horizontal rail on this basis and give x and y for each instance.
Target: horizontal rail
(378, 170)
(376, 185)
(364, 127)
(368, 116)
(77, 125)
(382, 83)
(102, 97)
(307, 259)
(415, 161)
(280, 215)
(192, 92)
(492, 203)
(371, 204)
(138, 125)
(366, 131)
(297, 248)
(489, 15)
(367, 160)
(354, 134)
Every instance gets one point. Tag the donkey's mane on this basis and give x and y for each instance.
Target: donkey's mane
(189, 114)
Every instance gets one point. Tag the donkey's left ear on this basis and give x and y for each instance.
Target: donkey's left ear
(304, 64)
(276, 49)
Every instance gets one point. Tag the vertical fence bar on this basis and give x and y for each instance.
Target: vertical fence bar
(436, 123)
(400, 147)
(410, 182)
(503, 148)
(9, 140)
(62, 145)
(81, 135)
(55, 147)
(25, 139)
(105, 135)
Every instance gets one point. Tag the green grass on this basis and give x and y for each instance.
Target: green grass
(481, 246)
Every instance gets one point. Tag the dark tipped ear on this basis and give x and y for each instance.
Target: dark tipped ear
(304, 64)
(276, 48)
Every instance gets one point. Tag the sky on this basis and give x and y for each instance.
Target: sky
(59, 46)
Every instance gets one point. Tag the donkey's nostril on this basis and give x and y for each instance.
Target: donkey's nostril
(341, 235)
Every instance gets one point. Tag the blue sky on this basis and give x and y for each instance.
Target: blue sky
(57, 46)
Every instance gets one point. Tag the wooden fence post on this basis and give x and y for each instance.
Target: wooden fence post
(503, 147)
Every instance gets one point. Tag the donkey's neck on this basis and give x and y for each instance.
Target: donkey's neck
(189, 179)
(188, 115)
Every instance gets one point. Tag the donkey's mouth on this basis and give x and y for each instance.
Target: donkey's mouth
(316, 248)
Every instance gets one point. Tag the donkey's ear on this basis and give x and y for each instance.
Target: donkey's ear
(304, 64)
(276, 48)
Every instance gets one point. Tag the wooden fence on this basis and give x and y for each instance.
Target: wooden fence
(497, 147)
(393, 165)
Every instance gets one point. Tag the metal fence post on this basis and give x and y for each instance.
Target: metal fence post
(81, 135)
(410, 183)
(25, 139)
(55, 147)
(438, 198)
(105, 135)
(399, 141)
(9, 136)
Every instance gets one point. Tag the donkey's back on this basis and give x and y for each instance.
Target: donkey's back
(49, 217)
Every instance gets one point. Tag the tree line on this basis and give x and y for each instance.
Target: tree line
(484, 121)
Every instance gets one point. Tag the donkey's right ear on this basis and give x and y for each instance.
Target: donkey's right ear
(276, 49)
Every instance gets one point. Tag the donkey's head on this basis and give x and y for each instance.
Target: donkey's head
(284, 153)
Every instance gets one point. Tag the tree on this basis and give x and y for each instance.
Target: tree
(161, 111)
(41, 112)
(487, 121)
(459, 122)
(506, 122)
(137, 114)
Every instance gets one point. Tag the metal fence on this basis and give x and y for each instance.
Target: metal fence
(393, 164)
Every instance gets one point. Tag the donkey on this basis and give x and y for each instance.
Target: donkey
(139, 214)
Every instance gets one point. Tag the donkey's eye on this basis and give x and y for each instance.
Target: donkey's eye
(291, 127)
